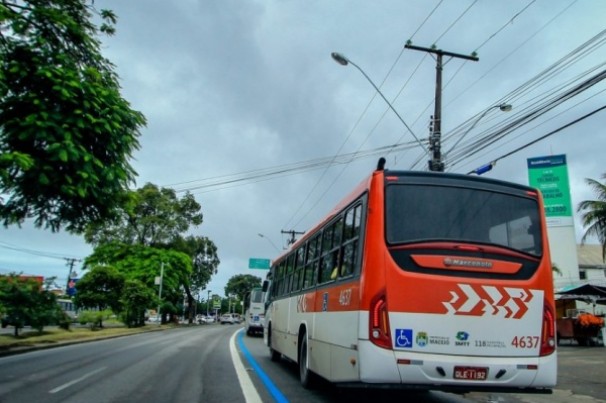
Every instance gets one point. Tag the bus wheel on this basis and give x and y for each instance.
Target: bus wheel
(305, 375)
(273, 354)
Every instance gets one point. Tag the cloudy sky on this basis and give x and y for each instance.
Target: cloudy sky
(247, 110)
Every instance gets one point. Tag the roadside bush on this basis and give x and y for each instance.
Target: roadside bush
(94, 318)
(64, 321)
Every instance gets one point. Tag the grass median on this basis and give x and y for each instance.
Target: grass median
(55, 335)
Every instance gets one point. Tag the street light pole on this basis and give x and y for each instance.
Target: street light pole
(502, 108)
(344, 61)
(269, 240)
(207, 301)
(160, 290)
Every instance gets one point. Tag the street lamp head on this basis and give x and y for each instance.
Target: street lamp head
(339, 58)
(505, 107)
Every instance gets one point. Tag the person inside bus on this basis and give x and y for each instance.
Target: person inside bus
(338, 267)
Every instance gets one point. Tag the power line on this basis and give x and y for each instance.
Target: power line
(533, 114)
(246, 177)
(32, 251)
(542, 123)
(493, 162)
(507, 56)
(422, 113)
(510, 21)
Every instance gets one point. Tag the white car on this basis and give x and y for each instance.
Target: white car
(228, 318)
(207, 319)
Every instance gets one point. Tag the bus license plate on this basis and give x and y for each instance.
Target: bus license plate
(471, 373)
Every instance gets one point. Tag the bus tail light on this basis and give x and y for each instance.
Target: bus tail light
(548, 334)
(379, 332)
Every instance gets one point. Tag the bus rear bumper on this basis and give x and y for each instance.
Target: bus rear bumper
(511, 374)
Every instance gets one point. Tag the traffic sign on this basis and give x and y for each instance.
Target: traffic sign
(255, 263)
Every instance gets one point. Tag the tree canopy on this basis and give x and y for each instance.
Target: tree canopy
(593, 213)
(152, 216)
(24, 302)
(66, 133)
(101, 289)
(155, 219)
(144, 264)
(242, 284)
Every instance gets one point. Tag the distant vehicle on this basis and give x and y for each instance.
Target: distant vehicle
(205, 319)
(228, 318)
(255, 312)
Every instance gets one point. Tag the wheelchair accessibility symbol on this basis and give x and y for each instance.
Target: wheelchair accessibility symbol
(404, 338)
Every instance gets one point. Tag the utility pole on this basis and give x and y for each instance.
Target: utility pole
(436, 163)
(292, 233)
(70, 263)
(160, 281)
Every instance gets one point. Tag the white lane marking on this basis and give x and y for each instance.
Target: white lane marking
(248, 389)
(83, 377)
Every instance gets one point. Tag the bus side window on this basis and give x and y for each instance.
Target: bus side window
(289, 273)
(337, 258)
(349, 258)
(281, 277)
(300, 268)
(311, 262)
(327, 264)
(351, 232)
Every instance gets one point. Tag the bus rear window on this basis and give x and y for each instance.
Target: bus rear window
(419, 213)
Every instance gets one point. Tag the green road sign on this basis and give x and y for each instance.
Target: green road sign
(254, 263)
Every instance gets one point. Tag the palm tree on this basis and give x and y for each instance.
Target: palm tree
(594, 214)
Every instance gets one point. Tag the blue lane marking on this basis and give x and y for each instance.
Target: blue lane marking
(271, 388)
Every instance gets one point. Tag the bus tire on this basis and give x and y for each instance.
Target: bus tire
(273, 354)
(306, 377)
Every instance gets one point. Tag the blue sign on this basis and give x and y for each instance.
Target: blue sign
(404, 338)
(71, 287)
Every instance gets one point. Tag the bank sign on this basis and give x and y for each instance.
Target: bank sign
(550, 175)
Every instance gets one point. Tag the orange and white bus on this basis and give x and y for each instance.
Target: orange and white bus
(423, 280)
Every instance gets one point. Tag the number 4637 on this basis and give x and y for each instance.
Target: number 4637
(525, 341)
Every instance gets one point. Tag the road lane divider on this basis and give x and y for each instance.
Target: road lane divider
(269, 385)
(75, 381)
(248, 389)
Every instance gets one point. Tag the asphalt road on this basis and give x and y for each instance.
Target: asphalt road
(196, 364)
(581, 378)
(190, 364)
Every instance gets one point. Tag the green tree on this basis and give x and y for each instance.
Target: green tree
(242, 284)
(66, 134)
(593, 214)
(144, 263)
(136, 298)
(100, 289)
(205, 261)
(156, 217)
(24, 302)
(152, 216)
(45, 311)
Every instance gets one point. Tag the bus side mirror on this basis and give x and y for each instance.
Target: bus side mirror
(265, 285)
